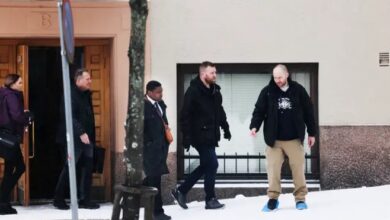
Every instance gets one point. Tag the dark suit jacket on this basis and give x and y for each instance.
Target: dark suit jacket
(83, 118)
(155, 150)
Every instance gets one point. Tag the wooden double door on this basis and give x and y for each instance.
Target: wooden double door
(39, 64)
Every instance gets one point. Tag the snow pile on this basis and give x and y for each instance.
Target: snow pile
(355, 204)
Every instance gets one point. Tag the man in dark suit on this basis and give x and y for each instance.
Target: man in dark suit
(84, 142)
(155, 144)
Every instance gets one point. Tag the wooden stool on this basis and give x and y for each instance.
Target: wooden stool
(126, 204)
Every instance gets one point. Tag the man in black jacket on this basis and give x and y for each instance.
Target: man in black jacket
(155, 144)
(84, 142)
(285, 107)
(202, 116)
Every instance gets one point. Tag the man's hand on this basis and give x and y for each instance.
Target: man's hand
(227, 135)
(253, 132)
(84, 138)
(311, 140)
(29, 115)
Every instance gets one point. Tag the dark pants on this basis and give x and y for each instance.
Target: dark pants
(84, 165)
(208, 167)
(155, 181)
(13, 168)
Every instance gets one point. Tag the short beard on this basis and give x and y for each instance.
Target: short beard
(209, 81)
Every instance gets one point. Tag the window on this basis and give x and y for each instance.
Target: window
(244, 157)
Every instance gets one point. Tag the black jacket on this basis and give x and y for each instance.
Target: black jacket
(202, 115)
(155, 150)
(266, 109)
(83, 118)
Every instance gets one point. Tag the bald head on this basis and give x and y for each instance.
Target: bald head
(280, 75)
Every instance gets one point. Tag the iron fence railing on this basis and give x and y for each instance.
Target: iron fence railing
(242, 166)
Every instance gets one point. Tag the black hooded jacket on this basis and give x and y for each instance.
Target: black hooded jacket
(202, 115)
(266, 109)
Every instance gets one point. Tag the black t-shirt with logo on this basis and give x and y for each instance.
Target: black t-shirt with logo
(286, 126)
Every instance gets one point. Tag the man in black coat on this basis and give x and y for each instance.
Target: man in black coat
(202, 116)
(155, 144)
(286, 109)
(84, 142)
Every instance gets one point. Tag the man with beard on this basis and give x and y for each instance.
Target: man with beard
(285, 107)
(202, 116)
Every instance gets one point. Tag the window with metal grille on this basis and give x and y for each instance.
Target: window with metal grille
(244, 157)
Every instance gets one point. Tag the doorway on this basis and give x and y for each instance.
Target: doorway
(38, 62)
(45, 97)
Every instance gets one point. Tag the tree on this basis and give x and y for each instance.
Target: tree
(130, 192)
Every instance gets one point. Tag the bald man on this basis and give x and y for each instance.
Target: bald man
(286, 110)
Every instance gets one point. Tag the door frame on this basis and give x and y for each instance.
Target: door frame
(79, 42)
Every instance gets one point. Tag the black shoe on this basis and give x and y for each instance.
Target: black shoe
(60, 204)
(213, 203)
(161, 216)
(180, 198)
(272, 204)
(6, 209)
(88, 205)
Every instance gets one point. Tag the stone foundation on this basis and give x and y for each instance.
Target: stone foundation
(354, 156)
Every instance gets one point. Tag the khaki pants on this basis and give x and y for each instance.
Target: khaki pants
(275, 157)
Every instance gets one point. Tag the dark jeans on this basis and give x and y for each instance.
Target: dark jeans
(208, 167)
(84, 165)
(155, 181)
(13, 168)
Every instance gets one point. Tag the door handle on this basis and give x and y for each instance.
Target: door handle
(32, 140)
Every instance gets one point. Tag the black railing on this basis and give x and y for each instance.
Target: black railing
(311, 166)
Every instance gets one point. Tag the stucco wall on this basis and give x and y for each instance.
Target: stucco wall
(344, 37)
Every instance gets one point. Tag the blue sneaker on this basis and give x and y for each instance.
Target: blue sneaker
(271, 205)
(301, 205)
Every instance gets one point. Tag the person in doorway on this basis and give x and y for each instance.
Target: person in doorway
(285, 107)
(13, 120)
(155, 144)
(84, 142)
(202, 116)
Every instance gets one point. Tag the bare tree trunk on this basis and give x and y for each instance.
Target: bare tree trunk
(135, 109)
(135, 115)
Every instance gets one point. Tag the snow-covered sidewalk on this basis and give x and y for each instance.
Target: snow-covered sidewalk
(350, 204)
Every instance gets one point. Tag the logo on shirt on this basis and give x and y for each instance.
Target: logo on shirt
(284, 103)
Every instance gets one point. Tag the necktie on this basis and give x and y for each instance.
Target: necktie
(157, 109)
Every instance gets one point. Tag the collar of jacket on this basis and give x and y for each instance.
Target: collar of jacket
(79, 91)
(160, 103)
(4, 91)
(275, 88)
(196, 82)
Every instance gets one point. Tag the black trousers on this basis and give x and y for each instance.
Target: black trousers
(155, 181)
(208, 167)
(84, 165)
(13, 168)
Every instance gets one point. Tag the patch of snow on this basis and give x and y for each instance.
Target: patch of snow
(356, 204)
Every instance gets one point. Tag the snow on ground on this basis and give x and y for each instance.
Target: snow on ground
(349, 204)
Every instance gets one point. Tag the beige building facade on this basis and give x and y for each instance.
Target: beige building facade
(340, 41)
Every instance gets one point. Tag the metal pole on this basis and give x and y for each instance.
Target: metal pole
(68, 119)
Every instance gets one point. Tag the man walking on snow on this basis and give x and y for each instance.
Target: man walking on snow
(286, 109)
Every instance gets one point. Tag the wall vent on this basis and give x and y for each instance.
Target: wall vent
(384, 59)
